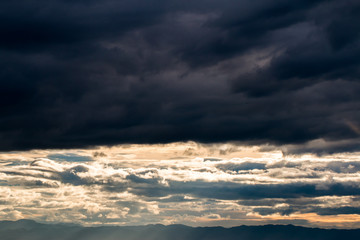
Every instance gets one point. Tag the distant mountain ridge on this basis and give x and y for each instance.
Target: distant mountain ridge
(31, 230)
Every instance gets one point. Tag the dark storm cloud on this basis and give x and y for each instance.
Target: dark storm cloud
(84, 73)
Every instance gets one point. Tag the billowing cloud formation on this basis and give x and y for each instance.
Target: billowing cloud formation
(85, 73)
(180, 183)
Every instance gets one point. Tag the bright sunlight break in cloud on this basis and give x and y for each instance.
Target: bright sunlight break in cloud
(187, 183)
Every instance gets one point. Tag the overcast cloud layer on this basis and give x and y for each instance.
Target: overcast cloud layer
(83, 73)
(179, 183)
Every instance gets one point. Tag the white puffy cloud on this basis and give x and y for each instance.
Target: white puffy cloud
(187, 183)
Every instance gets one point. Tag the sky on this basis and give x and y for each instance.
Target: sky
(180, 183)
(174, 111)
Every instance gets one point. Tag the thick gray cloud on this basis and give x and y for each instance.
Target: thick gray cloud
(84, 73)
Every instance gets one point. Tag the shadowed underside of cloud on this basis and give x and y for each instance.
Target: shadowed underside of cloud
(85, 73)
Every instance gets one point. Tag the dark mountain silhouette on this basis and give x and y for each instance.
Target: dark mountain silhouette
(31, 230)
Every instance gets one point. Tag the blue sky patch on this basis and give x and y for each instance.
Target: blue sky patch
(69, 157)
